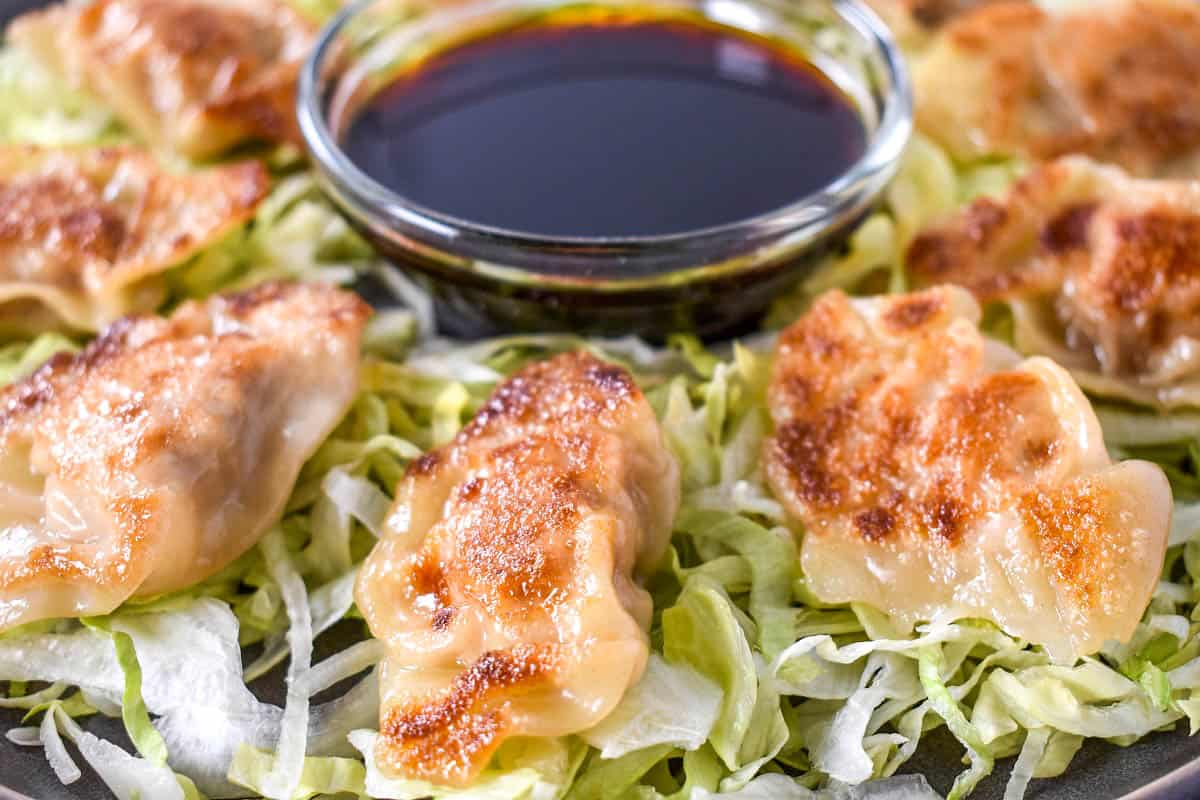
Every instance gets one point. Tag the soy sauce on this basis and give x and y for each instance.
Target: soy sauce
(630, 127)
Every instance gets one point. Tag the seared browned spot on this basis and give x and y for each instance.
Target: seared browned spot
(426, 577)
(450, 738)
(242, 46)
(912, 312)
(941, 254)
(510, 552)
(62, 562)
(935, 13)
(52, 208)
(610, 378)
(1068, 526)
(441, 618)
(1157, 250)
(875, 524)
(870, 455)
(425, 464)
(1041, 452)
(348, 307)
(944, 516)
(1132, 68)
(983, 420)
(38, 388)
(1069, 229)
(802, 447)
(574, 385)
(470, 490)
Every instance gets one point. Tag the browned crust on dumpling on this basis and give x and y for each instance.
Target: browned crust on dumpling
(93, 222)
(567, 389)
(938, 476)
(1113, 258)
(527, 517)
(1069, 529)
(231, 68)
(1132, 70)
(842, 448)
(124, 351)
(94, 408)
(931, 14)
(450, 736)
(1114, 82)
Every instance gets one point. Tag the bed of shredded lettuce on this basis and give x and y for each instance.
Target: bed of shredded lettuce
(755, 690)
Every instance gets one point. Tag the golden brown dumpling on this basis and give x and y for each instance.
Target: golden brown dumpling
(505, 587)
(1113, 80)
(191, 76)
(1102, 271)
(168, 447)
(86, 234)
(938, 476)
(910, 20)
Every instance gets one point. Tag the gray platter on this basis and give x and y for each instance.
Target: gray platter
(1164, 766)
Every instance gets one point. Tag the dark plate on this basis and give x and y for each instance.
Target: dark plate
(1164, 766)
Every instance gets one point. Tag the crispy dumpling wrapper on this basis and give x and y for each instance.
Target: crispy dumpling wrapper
(1102, 272)
(506, 586)
(938, 476)
(168, 447)
(1113, 80)
(195, 77)
(913, 21)
(86, 234)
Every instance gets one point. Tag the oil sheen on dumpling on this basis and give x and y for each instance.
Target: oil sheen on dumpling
(938, 476)
(191, 76)
(86, 234)
(1102, 272)
(506, 585)
(166, 448)
(912, 20)
(1114, 80)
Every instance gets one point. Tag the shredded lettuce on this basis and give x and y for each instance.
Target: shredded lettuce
(671, 704)
(753, 689)
(38, 108)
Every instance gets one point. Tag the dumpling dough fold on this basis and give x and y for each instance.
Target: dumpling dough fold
(195, 77)
(168, 447)
(87, 234)
(1102, 272)
(939, 476)
(506, 584)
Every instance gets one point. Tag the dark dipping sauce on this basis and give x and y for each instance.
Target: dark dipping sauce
(607, 128)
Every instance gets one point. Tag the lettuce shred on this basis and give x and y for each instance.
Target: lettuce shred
(754, 690)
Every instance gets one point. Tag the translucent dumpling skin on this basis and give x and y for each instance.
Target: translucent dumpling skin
(937, 476)
(167, 448)
(1114, 80)
(87, 233)
(1101, 270)
(506, 586)
(194, 77)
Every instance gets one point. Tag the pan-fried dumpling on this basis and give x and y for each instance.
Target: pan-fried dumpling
(938, 476)
(165, 450)
(86, 234)
(505, 587)
(911, 19)
(1102, 272)
(191, 76)
(1115, 81)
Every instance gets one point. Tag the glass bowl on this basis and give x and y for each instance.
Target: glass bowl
(715, 281)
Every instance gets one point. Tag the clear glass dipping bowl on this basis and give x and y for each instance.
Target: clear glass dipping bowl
(715, 281)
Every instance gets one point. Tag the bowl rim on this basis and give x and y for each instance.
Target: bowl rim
(487, 251)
